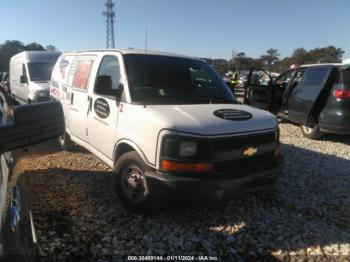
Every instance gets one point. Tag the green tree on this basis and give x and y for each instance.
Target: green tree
(301, 56)
(270, 58)
(7, 50)
(34, 47)
(328, 54)
(12, 47)
(51, 48)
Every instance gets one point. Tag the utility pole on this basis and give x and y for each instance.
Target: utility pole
(110, 18)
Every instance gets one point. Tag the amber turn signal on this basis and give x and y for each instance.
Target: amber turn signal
(172, 166)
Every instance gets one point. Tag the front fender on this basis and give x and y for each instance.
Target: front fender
(135, 147)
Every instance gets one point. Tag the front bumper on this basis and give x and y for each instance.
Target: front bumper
(167, 187)
(41, 98)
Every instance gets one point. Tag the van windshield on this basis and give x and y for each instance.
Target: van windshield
(40, 71)
(157, 79)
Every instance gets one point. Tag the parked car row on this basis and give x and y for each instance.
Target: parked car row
(190, 121)
(192, 129)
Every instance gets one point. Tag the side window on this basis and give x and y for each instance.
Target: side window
(314, 76)
(260, 78)
(297, 77)
(110, 67)
(284, 79)
(82, 73)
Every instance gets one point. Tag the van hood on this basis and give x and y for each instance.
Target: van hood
(40, 86)
(215, 119)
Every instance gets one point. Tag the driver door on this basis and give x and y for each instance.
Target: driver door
(259, 88)
(104, 107)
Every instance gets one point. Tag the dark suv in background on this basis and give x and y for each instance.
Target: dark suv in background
(317, 97)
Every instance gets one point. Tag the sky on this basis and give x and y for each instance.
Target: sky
(200, 28)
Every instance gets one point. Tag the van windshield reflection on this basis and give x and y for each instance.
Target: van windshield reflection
(156, 79)
(40, 71)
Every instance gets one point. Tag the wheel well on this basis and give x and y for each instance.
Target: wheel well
(121, 150)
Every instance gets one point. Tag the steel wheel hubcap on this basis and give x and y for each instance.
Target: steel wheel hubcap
(134, 184)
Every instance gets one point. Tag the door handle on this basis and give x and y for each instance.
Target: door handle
(90, 104)
(71, 98)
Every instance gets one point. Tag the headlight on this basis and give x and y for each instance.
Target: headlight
(187, 149)
(42, 93)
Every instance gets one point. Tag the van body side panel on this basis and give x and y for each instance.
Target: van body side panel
(102, 115)
(59, 84)
(17, 63)
(142, 128)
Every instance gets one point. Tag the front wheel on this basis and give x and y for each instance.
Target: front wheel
(311, 132)
(131, 184)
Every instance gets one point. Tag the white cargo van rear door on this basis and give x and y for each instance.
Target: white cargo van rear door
(104, 106)
(78, 81)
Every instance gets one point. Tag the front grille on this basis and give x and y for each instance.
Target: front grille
(241, 142)
(229, 157)
(240, 166)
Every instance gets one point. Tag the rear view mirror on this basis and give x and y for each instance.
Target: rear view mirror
(31, 124)
(24, 79)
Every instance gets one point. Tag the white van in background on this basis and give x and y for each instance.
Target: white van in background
(30, 73)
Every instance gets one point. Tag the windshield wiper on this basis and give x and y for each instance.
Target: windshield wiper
(217, 99)
(164, 99)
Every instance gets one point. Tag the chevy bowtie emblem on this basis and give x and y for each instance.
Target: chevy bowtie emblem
(250, 151)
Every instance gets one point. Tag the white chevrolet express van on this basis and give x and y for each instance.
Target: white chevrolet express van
(30, 74)
(166, 123)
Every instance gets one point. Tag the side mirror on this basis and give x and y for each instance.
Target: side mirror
(23, 79)
(103, 86)
(31, 124)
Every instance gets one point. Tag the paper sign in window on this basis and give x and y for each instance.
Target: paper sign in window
(82, 73)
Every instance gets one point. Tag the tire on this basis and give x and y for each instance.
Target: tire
(311, 132)
(131, 184)
(18, 224)
(65, 142)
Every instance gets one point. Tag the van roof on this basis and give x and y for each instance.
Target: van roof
(129, 51)
(324, 64)
(37, 56)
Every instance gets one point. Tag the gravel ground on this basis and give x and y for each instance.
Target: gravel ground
(307, 217)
